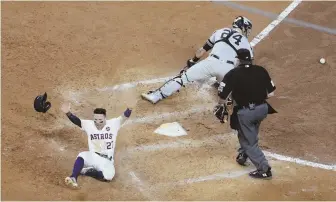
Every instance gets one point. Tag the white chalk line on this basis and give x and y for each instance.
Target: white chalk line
(213, 177)
(125, 86)
(299, 161)
(140, 186)
(275, 22)
(217, 176)
(189, 143)
(183, 143)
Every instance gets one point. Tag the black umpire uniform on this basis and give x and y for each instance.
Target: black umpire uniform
(250, 85)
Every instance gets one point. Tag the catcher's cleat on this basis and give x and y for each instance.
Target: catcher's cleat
(152, 97)
(71, 182)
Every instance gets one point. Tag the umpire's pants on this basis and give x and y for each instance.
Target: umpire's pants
(249, 122)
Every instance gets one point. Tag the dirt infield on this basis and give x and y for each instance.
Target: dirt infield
(77, 52)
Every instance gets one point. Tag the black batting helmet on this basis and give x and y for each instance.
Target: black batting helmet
(41, 104)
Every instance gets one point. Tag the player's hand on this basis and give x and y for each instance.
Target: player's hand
(65, 107)
(128, 112)
(221, 112)
(184, 69)
(190, 63)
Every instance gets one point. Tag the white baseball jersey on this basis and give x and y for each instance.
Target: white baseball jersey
(102, 141)
(227, 49)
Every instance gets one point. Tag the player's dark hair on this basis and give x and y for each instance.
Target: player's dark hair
(100, 111)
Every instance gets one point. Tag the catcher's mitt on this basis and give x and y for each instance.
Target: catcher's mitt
(221, 112)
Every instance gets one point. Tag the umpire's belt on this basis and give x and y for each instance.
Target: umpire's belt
(250, 105)
(104, 156)
(215, 56)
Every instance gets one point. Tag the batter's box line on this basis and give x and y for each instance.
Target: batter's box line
(189, 143)
(217, 176)
(151, 119)
(141, 186)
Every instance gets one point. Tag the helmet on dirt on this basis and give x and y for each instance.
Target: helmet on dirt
(244, 24)
(41, 104)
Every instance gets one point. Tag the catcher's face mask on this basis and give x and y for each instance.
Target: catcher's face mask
(99, 120)
(41, 104)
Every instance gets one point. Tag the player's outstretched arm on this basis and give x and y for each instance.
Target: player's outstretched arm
(74, 119)
(200, 52)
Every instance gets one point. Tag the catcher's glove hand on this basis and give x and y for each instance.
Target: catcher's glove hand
(190, 63)
(184, 69)
(221, 112)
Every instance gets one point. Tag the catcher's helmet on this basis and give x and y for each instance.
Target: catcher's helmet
(244, 55)
(244, 24)
(41, 104)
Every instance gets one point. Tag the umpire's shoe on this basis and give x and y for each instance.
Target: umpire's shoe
(241, 159)
(261, 174)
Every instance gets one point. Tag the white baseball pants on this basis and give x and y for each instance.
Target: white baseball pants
(202, 71)
(91, 159)
(207, 68)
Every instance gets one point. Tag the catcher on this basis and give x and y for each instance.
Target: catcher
(223, 44)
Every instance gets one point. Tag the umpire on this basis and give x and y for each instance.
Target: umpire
(250, 86)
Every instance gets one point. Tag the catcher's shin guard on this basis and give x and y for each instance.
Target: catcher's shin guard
(167, 89)
(173, 85)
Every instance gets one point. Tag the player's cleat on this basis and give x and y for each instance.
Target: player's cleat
(241, 159)
(261, 175)
(152, 96)
(71, 182)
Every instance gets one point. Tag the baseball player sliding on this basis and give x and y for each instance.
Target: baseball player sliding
(98, 162)
(222, 58)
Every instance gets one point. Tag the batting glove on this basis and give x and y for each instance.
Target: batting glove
(127, 112)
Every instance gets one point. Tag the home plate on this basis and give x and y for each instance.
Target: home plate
(171, 129)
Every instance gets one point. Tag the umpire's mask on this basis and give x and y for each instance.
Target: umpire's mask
(41, 104)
